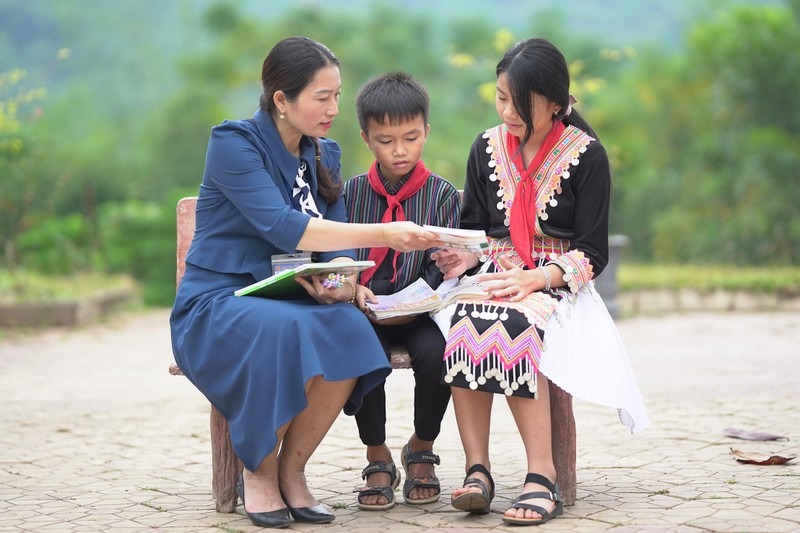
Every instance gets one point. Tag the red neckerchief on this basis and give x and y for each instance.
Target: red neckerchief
(418, 178)
(523, 210)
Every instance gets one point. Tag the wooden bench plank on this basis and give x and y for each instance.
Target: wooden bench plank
(226, 466)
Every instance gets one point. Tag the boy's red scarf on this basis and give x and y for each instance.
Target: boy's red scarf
(418, 178)
(523, 210)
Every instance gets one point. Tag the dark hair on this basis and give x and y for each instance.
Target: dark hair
(289, 67)
(537, 66)
(396, 97)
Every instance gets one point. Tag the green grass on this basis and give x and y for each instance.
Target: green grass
(29, 286)
(771, 280)
(32, 287)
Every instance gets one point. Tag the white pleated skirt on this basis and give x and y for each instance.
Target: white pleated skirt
(584, 355)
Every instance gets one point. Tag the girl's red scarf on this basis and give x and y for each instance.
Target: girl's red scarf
(523, 210)
(418, 178)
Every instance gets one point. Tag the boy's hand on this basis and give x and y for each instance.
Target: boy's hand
(453, 263)
(393, 321)
(364, 295)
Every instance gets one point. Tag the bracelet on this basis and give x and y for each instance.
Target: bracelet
(352, 299)
(547, 278)
(334, 281)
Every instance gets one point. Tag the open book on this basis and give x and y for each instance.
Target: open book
(466, 240)
(283, 284)
(420, 298)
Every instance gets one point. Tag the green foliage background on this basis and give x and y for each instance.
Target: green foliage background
(104, 119)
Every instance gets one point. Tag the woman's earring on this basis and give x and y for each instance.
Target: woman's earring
(282, 116)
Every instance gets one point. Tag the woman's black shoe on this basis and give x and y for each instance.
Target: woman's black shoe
(276, 519)
(318, 514)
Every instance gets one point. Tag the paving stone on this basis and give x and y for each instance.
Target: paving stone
(101, 438)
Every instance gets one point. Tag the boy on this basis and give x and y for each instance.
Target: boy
(393, 115)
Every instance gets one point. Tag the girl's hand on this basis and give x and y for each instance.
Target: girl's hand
(407, 236)
(453, 263)
(512, 283)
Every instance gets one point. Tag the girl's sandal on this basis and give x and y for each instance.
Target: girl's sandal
(408, 457)
(377, 490)
(476, 502)
(553, 495)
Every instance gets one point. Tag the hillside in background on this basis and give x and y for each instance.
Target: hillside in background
(106, 107)
(143, 39)
(610, 22)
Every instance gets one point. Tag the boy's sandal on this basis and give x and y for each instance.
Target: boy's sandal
(408, 457)
(553, 495)
(377, 490)
(476, 502)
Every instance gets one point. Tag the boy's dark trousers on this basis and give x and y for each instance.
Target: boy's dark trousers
(425, 345)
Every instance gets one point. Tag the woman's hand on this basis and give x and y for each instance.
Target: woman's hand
(453, 263)
(323, 295)
(512, 282)
(407, 236)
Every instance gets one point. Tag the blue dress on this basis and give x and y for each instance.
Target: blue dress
(250, 356)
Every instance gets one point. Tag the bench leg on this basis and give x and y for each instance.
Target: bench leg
(562, 422)
(224, 464)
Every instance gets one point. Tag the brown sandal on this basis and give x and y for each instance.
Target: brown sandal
(377, 490)
(553, 495)
(408, 457)
(476, 502)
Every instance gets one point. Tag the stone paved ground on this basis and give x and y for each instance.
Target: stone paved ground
(96, 436)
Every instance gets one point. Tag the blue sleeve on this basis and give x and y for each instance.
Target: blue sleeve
(236, 168)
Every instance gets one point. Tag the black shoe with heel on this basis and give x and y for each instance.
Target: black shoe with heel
(319, 514)
(274, 519)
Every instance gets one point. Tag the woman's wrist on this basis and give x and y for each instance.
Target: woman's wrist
(352, 286)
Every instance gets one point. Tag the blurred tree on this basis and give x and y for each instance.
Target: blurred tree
(700, 141)
(754, 105)
(706, 146)
(22, 196)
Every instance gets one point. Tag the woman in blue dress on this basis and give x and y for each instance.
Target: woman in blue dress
(279, 371)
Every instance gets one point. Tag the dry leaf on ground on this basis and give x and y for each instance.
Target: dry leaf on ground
(757, 458)
(751, 435)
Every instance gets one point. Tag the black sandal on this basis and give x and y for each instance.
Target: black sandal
(408, 457)
(476, 502)
(553, 495)
(377, 490)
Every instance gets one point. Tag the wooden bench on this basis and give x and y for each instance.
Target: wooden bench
(226, 466)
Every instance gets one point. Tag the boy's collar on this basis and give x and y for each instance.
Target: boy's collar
(392, 188)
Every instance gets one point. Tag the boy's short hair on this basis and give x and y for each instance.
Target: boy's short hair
(395, 96)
